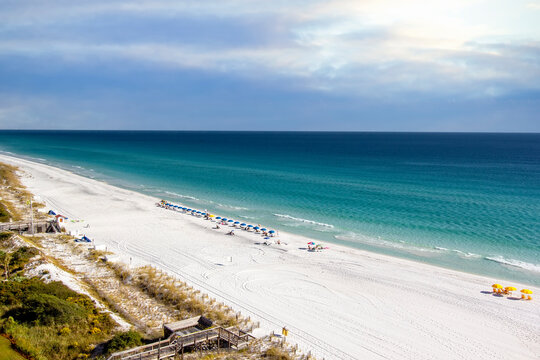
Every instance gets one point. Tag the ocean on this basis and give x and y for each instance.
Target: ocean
(469, 202)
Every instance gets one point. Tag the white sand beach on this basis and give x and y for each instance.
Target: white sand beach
(340, 303)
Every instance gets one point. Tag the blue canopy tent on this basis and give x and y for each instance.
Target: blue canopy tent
(83, 239)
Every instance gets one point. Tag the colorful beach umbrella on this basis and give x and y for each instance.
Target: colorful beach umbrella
(510, 288)
(237, 222)
(311, 243)
(263, 229)
(250, 225)
(229, 221)
(218, 217)
(243, 224)
(526, 291)
(224, 219)
(271, 231)
(496, 286)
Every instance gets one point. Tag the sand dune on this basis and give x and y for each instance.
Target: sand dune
(339, 304)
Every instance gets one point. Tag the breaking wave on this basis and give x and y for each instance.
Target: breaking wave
(181, 195)
(515, 263)
(304, 220)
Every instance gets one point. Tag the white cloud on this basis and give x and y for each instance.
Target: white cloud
(347, 46)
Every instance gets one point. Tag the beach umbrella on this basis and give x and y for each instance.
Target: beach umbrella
(188, 209)
(496, 286)
(250, 226)
(203, 214)
(243, 224)
(219, 217)
(237, 222)
(256, 228)
(271, 231)
(526, 291)
(263, 229)
(224, 219)
(229, 221)
(510, 288)
(211, 215)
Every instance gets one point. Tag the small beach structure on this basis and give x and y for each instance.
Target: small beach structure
(526, 294)
(187, 326)
(60, 219)
(51, 213)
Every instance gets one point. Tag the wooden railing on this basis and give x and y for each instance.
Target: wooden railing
(176, 344)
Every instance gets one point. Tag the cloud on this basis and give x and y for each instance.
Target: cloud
(382, 50)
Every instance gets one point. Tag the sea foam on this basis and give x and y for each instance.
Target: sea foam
(285, 216)
(515, 263)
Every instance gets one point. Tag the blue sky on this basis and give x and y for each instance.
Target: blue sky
(386, 65)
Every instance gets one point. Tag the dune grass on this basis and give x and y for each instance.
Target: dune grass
(172, 292)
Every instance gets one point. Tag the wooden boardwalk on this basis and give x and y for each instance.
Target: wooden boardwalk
(176, 344)
(26, 226)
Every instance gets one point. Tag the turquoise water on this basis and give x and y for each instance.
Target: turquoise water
(469, 202)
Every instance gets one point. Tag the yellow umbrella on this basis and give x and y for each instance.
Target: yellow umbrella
(211, 215)
(496, 286)
(510, 288)
(526, 291)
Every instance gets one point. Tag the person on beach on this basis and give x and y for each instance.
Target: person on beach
(230, 232)
(217, 227)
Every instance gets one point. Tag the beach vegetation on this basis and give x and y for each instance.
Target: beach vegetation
(275, 353)
(7, 352)
(49, 320)
(172, 292)
(4, 213)
(124, 340)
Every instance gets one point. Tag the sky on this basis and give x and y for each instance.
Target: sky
(344, 65)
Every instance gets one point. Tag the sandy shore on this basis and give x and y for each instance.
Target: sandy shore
(340, 304)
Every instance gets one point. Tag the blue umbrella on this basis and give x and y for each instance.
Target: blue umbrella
(256, 228)
(204, 214)
(198, 212)
(263, 229)
(250, 225)
(243, 224)
(188, 209)
(224, 219)
(230, 221)
(218, 217)
(237, 222)
(271, 231)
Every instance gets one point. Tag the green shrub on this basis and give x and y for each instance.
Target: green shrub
(123, 341)
(44, 309)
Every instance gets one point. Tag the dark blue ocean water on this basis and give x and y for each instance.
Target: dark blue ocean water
(465, 201)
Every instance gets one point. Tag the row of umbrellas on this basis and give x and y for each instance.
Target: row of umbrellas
(498, 288)
(229, 221)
